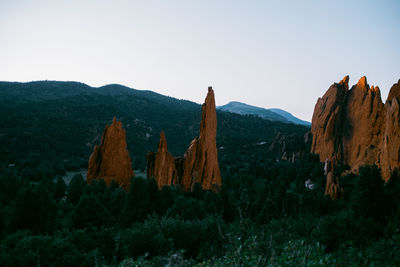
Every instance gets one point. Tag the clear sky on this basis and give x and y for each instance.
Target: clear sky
(272, 54)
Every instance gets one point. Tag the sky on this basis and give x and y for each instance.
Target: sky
(271, 54)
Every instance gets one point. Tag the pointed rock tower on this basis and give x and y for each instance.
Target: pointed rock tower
(110, 160)
(199, 163)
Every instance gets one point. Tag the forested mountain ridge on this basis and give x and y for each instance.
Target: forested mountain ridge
(64, 120)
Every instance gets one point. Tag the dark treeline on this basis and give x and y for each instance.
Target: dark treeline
(263, 214)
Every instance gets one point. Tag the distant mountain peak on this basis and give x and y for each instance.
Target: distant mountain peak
(273, 114)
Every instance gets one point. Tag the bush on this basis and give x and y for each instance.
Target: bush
(142, 239)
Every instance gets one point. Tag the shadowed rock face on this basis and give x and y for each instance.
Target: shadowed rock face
(390, 136)
(199, 163)
(332, 183)
(332, 186)
(110, 160)
(354, 127)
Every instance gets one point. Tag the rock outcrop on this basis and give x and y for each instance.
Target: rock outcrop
(354, 127)
(110, 160)
(332, 182)
(390, 140)
(161, 165)
(199, 163)
(332, 186)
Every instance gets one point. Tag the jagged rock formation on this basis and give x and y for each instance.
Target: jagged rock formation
(199, 163)
(161, 165)
(390, 140)
(354, 127)
(332, 186)
(110, 160)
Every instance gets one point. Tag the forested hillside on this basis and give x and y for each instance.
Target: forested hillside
(60, 122)
(270, 211)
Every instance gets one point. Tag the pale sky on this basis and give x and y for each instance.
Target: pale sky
(272, 54)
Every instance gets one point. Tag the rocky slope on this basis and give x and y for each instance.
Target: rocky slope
(110, 160)
(354, 127)
(199, 163)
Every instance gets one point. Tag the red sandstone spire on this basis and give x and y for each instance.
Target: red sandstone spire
(110, 160)
(199, 163)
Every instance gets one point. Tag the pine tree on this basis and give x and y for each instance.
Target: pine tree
(75, 189)
(59, 188)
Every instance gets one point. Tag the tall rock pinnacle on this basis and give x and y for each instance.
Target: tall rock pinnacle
(110, 160)
(201, 158)
(199, 163)
(354, 127)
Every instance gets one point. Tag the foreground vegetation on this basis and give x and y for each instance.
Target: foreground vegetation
(269, 218)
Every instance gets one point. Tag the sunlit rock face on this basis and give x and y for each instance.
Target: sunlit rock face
(326, 125)
(199, 163)
(353, 126)
(161, 165)
(110, 160)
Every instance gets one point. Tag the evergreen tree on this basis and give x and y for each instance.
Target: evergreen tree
(167, 197)
(368, 199)
(33, 210)
(137, 203)
(198, 192)
(59, 188)
(89, 212)
(154, 198)
(75, 189)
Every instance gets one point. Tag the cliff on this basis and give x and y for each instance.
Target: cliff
(110, 160)
(353, 127)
